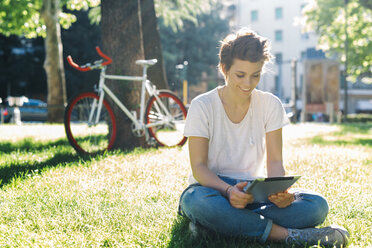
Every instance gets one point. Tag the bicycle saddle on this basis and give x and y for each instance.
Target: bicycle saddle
(146, 62)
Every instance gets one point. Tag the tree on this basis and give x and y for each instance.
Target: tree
(53, 64)
(43, 18)
(366, 3)
(129, 32)
(122, 41)
(327, 18)
(151, 43)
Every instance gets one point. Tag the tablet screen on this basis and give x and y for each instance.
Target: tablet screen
(262, 188)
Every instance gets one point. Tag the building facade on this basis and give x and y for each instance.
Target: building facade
(279, 20)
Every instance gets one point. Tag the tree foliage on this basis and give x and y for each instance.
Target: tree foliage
(32, 18)
(31, 61)
(22, 17)
(327, 18)
(174, 13)
(196, 42)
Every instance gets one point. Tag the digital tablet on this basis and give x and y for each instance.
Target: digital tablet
(262, 188)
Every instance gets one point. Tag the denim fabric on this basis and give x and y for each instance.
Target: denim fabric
(210, 209)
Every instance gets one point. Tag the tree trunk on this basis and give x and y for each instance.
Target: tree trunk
(122, 41)
(53, 64)
(151, 44)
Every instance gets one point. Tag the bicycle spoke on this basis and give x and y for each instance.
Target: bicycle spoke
(166, 119)
(87, 136)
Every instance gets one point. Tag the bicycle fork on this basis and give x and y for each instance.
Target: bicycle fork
(95, 111)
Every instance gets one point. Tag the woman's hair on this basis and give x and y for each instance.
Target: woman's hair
(244, 45)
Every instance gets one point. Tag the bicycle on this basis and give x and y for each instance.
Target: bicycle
(90, 123)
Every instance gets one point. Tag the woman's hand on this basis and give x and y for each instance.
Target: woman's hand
(238, 198)
(282, 199)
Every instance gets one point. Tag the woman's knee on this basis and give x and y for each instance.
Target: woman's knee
(197, 201)
(317, 207)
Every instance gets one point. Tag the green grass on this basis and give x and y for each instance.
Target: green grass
(51, 197)
(348, 134)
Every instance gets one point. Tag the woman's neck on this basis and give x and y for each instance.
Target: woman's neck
(232, 100)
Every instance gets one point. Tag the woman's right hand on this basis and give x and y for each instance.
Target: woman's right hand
(238, 198)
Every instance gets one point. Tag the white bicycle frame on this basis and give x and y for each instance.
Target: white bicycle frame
(146, 86)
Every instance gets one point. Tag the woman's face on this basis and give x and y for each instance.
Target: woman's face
(243, 76)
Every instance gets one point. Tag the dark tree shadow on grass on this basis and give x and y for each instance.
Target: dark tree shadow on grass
(64, 155)
(30, 145)
(21, 170)
(181, 237)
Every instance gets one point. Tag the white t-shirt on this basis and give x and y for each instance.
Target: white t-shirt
(235, 150)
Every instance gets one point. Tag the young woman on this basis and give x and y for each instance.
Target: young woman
(230, 128)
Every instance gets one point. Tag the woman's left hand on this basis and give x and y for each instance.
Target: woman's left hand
(282, 199)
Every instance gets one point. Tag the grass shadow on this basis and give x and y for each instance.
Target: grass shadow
(63, 155)
(181, 237)
(30, 145)
(319, 140)
(17, 171)
(12, 170)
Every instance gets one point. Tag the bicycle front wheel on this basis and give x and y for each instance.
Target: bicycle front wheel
(165, 119)
(84, 133)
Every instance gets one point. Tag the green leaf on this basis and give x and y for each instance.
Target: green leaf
(327, 19)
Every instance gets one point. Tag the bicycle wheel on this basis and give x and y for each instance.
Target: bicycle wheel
(89, 137)
(166, 120)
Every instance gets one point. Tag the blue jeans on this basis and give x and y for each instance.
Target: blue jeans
(209, 208)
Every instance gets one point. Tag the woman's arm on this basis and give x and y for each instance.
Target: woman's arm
(274, 148)
(198, 149)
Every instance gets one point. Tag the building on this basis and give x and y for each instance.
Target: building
(279, 20)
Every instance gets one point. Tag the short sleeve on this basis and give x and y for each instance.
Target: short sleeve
(276, 116)
(197, 120)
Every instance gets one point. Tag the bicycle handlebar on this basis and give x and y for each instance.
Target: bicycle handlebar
(108, 59)
(89, 67)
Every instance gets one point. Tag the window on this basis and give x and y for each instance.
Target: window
(278, 58)
(304, 36)
(278, 13)
(277, 85)
(301, 83)
(278, 35)
(303, 55)
(254, 15)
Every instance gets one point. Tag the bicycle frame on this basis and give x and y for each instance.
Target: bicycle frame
(139, 128)
(146, 86)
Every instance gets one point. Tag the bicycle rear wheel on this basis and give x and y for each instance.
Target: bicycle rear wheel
(89, 137)
(167, 120)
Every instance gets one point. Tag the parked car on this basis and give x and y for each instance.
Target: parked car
(34, 110)
(31, 110)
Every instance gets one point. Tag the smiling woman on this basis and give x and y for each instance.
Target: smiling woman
(230, 130)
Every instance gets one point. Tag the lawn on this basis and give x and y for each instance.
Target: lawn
(51, 197)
